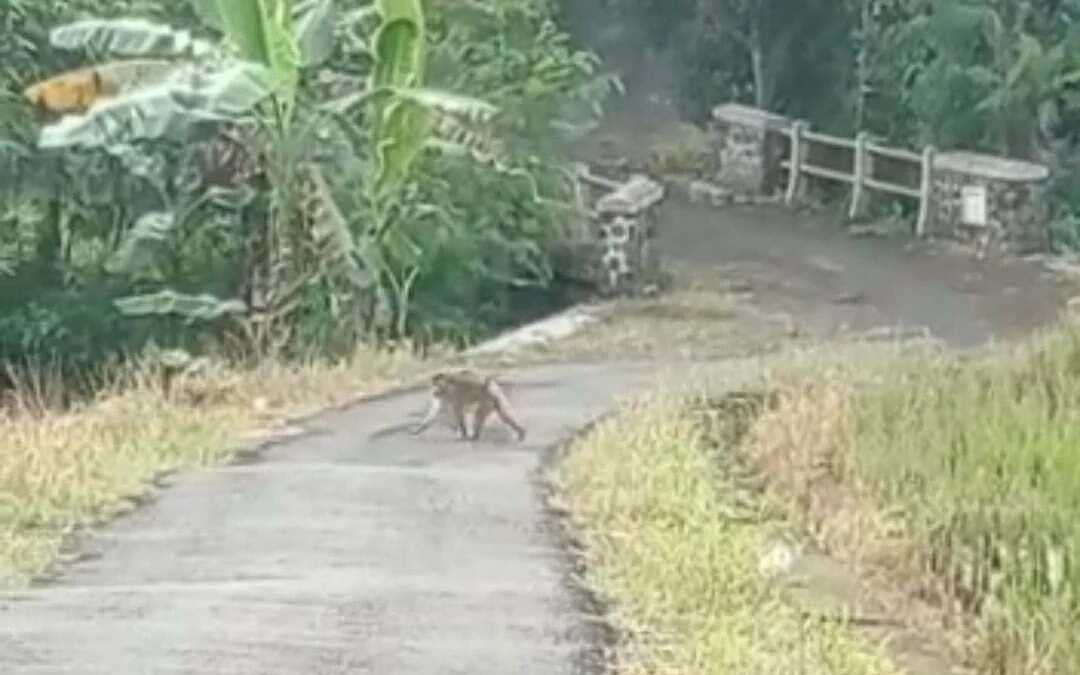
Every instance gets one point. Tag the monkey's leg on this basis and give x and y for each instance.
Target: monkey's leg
(433, 411)
(480, 417)
(504, 414)
(460, 419)
(502, 408)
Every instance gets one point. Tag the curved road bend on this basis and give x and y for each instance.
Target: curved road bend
(340, 554)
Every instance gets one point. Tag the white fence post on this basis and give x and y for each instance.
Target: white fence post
(926, 182)
(795, 161)
(858, 174)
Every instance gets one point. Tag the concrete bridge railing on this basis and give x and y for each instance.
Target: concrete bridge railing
(961, 195)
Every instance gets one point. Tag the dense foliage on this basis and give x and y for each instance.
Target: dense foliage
(284, 176)
(999, 76)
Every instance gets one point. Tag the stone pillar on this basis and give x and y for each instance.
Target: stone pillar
(751, 144)
(974, 195)
(626, 222)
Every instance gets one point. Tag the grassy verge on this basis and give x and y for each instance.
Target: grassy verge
(646, 498)
(60, 471)
(957, 481)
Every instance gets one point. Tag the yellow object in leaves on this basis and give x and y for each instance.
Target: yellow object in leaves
(73, 91)
(77, 90)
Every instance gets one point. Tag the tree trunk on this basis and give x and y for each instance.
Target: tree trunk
(762, 83)
(862, 65)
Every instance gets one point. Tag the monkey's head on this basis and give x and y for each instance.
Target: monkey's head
(439, 382)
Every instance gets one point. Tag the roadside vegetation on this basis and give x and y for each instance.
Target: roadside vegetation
(941, 486)
(955, 480)
(673, 545)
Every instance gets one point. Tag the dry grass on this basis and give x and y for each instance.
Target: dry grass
(646, 496)
(955, 479)
(698, 318)
(60, 471)
(682, 149)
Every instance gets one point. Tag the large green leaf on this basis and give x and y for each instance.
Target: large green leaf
(445, 103)
(392, 10)
(141, 243)
(227, 94)
(313, 29)
(474, 110)
(404, 128)
(261, 30)
(209, 14)
(398, 55)
(244, 23)
(398, 125)
(332, 236)
(312, 24)
(146, 114)
(192, 308)
(128, 37)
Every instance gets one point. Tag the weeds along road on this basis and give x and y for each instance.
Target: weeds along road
(336, 553)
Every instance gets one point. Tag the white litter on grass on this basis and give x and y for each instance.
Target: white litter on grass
(779, 558)
(556, 327)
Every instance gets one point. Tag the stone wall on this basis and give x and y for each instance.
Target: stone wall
(1014, 212)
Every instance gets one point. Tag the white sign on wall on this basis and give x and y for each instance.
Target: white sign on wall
(973, 205)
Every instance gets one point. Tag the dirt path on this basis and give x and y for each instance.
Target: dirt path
(829, 280)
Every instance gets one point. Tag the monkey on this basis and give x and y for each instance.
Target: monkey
(465, 390)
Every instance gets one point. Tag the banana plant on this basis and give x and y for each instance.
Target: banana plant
(167, 84)
(403, 118)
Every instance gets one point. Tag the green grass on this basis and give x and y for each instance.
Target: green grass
(646, 499)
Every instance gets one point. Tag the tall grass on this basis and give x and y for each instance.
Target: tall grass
(962, 474)
(685, 585)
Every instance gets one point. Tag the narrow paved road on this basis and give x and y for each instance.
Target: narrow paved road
(336, 554)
